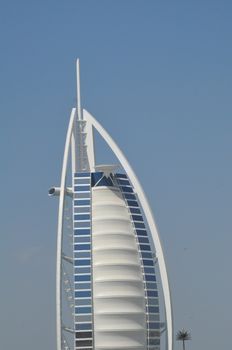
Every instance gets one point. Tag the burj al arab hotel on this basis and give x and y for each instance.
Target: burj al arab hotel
(112, 288)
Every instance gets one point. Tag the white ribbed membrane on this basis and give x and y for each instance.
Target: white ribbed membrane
(118, 291)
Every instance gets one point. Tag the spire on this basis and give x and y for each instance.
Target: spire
(79, 114)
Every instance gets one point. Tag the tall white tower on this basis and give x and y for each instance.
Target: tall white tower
(108, 250)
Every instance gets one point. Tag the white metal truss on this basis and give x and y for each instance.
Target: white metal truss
(60, 233)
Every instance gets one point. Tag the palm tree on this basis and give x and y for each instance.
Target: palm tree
(183, 335)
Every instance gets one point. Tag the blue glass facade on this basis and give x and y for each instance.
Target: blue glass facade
(82, 261)
(147, 262)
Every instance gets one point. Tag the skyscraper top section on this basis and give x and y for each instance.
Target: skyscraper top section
(108, 274)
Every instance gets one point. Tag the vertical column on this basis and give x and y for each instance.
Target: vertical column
(82, 262)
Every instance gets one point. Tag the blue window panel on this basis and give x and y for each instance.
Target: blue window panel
(129, 196)
(81, 286)
(150, 278)
(78, 181)
(81, 174)
(82, 269)
(82, 202)
(154, 334)
(82, 239)
(83, 318)
(141, 232)
(82, 262)
(79, 255)
(82, 231)
(153, 341)
(82, 278)
(81, 188)
(132, 203)
(154, 317)
(79, 210)
(152, 293)
(153, 309)
(146, 255)
(126, 189)
(84, 343)
(83, 294)
(81, 224)
(81, 246)
(95, 177)
(154, 325)
(124, 182)
(124, 176)
(149, 270)
(82, 217)
(84, 195)
(83, 310)
(153, 301)
(143, 240)
(144, 247)
(139, 225)
(83, 302)
(151, 285)
(135, 211)
(82, 335)
(83, 326)
(148, 262)
(137, 218)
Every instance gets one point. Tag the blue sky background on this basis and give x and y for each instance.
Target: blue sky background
(158, 76)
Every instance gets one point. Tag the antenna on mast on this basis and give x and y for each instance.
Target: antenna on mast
(79, 114)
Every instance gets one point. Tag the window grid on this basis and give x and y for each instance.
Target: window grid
(146, 263)
(82, 261)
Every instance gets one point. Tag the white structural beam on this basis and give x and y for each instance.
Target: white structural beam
(150, 220)
(90, 145)
(60, 231)
(73, 147)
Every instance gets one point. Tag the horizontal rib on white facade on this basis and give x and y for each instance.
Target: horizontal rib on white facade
(118, 291)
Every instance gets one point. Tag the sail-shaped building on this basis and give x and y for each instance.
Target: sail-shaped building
(108, 251)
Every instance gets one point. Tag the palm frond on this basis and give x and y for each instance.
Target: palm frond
(183, 334)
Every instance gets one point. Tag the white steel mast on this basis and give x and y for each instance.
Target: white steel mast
(79, 114)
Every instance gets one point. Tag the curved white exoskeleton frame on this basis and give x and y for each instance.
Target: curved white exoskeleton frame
(91, 124)
(60, 231)
(149, 216)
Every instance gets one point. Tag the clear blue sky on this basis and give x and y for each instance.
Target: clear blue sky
(158, 76)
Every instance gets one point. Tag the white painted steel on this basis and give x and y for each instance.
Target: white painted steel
(90, 145)
(60, 232)
(118, 291)
(73, 152)
(150, 219)
(79, 114)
